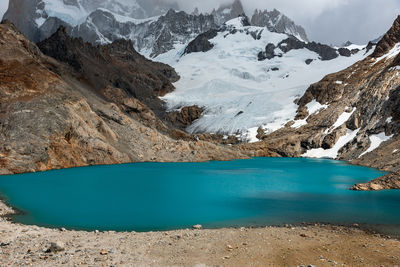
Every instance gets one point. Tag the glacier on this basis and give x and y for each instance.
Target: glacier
(239, 93)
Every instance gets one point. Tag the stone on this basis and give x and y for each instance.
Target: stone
(197, 226)
(56, 247)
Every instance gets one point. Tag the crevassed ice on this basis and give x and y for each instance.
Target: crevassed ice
(237, 91)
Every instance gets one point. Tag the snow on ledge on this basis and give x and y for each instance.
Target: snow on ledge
(376, 141)
(313, 107)
(343, 118)
(334, 151)
(392, 53)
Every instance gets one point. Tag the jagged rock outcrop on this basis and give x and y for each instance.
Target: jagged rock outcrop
(55, 115)
(325, 52)
(202, 42)
(116, 65)
(185, 117)
(275, 21)
(228, 11)
(389, 40)
(155, 37)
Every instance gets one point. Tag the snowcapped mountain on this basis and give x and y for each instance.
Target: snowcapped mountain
(241, 90)
(154, 26)
(244, 73)
(275, 21)
(228, 11)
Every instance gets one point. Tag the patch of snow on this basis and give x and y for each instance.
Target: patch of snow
(376, 141)
(237, 22)
(226, 11)
(299, 123)
(251, 135)
(71, 14)
(339, 82)
(40, 21)
(313, 108)
(389, 120)
(355, 46)
(343, 118)
(392, 53)
(395, 151)
(125, 19)
(334, 151)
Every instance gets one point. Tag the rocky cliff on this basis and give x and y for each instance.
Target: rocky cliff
(351, 115)
(67, 113)
(275, 21)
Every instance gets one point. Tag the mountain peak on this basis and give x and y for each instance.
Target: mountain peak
(229, 11)
(275, 21)
(389, 40)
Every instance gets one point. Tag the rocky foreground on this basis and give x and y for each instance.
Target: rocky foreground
(286, 246)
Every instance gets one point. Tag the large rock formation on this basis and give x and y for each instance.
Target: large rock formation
(117, 65)
(228, 11)
(275, 21)
(58, 115)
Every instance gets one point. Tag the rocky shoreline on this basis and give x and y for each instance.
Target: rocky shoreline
(389, 181)
(308, 245)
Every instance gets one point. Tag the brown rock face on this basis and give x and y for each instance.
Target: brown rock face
(390, 181)
(389, 40)
(185, 117)
(53, 116)
(116, 65)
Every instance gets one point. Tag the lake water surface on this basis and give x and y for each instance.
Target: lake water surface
(164, 196)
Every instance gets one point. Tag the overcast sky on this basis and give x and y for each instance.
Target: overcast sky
(328, 21)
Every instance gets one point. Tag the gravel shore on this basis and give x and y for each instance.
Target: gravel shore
(318, 245)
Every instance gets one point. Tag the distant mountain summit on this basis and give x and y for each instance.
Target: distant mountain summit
(226, 12)
(154, 26)
(275, 21)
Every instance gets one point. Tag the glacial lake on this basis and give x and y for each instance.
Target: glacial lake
(166, 196)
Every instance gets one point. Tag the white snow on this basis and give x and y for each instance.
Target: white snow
(70, 14)
(125, 19)
(237, 22)
(40, 21)
(355, 46)
(376, 141)
(313, 107)
(392, 53)
(389, 120)
(395, 151)
(239, 92)
(339, 82)
(343, 118)
(334, 151)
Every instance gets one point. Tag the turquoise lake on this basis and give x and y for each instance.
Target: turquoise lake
(165, 196)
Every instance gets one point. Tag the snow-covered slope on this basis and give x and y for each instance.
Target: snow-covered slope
(239, 92)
